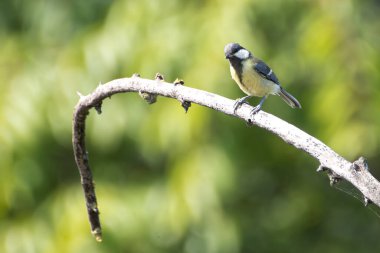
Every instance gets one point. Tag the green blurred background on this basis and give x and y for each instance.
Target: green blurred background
(173, 182)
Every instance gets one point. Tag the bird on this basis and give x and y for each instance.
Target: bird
(254, 77)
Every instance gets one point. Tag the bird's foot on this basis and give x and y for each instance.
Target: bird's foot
(240, 101)
(257, 108)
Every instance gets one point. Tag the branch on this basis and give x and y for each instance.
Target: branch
(357, 173)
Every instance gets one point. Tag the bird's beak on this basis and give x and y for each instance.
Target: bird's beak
(228, 56)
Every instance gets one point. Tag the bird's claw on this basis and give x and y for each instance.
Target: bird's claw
(255, 110)
(239, 102)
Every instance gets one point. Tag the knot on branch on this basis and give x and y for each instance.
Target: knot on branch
(360, 164)
(149, 97)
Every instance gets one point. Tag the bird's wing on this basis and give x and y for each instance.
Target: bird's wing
(266, 71)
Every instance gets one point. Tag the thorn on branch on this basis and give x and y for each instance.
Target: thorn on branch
(367, 201)
(159, 77)
(178, 82)
(98, 107)
(321, 168)
(80, 94)
(185, 104)
(334, 178)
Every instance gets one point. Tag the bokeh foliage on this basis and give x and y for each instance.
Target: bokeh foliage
(174, 182)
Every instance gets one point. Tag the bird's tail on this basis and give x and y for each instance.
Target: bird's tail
(289, 99)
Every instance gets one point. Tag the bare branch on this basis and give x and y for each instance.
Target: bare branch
(337, 167)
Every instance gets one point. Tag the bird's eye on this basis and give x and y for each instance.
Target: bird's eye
(242, 54)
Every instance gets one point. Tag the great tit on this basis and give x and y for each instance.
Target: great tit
(254, 77)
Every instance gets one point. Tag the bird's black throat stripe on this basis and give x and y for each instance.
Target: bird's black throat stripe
(238, 66)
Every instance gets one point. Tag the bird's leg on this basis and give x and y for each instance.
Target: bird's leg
(257, 108)
(240, 101)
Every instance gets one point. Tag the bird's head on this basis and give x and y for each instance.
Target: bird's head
(235, 51)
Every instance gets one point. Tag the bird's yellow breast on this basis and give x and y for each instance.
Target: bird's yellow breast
(252, 83)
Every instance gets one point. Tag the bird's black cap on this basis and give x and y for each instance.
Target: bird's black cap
(231, 48)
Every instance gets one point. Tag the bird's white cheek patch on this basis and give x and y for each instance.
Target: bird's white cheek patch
(242, 54)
